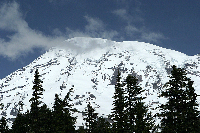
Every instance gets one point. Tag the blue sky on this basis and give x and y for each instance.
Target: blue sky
(30, 27)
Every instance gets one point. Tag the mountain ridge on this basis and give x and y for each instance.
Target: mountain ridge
(91, 70)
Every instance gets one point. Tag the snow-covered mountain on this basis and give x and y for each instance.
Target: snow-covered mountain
(90, 65)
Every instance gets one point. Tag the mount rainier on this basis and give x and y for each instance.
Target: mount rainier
(90, 65)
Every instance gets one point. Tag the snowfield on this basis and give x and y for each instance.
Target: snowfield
(90, 65)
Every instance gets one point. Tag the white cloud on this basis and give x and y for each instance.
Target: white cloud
(94, 24)
(131, 30)
(135, 24)
(151, 37)
(24, 39)
(11, 19)
(128, 17)
(130, 14)
(95, 28)
(142, 34)
(121, 13)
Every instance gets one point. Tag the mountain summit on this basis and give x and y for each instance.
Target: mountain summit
(90, 65)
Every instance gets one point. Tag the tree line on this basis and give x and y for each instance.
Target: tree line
(129, 114)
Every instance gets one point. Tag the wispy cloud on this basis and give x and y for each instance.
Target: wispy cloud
(127, 17)
(94, 24)
(61, 2)
(152, 37)
(131, 30)
(24, 39)
(94, 28)
(11, 19)
(135, 24)
(122, 14)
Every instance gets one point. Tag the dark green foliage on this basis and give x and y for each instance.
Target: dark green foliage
(46, 117)
(117, 115)
(3, 125)
(180, 113)
(67, 109)
(37, 92)
(62, 119)
(35, 102)
(58, 114)
(144, 122)
(91, 119)
(81, 130)
(130, 113)
(94, 123)
(133, 90)
(103, 126)
(21, 123)
(138, 120)
(41, 119)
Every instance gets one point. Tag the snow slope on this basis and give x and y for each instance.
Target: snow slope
(90, 65)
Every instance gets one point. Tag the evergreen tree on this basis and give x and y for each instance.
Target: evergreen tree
(21, 123)
(81, 130)
(39, 118)
(180, 113)
(58, 114)
(68, 110)
(3, 125)
(144, 122)
(138, 120)
(103, 126)
(62, 119)
(118, 114)
(132, 92)
(94, 123)
(35, 103)
(91, 119)
(46, 119)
